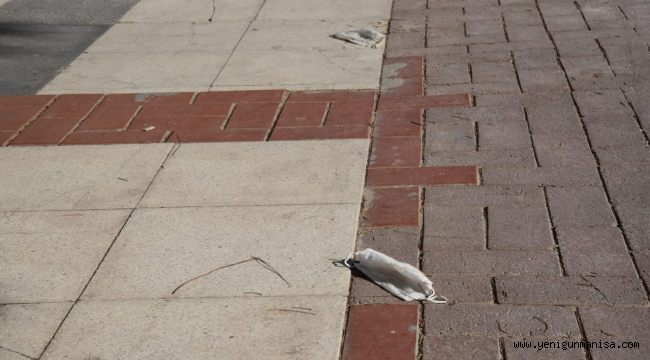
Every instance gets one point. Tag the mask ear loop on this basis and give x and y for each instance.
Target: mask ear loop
(436, 299)
(347, 259)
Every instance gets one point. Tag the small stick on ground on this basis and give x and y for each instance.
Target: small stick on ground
(260, 261)
(210, 272)
(271, 269)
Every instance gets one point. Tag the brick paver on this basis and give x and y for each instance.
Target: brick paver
(255, 115)
(552, 244)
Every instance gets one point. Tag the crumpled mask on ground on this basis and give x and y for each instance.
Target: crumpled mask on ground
(400, 279)
(363, 37)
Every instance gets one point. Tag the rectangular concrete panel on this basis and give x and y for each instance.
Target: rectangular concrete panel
(252, 328)
(77, 177)
(27, 328)
(161, 248)
(322, 172)
(50, 256)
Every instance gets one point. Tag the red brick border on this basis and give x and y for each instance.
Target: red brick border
(257, 115)
(392, 204)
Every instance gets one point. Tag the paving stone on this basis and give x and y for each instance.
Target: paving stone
(491, 262)
(396, 151)
(570, 46)
(621, 322)
(475, 89)
(15, 111)
(350, 113)
(403, 67)
(516, 19)
(482, 113)
(440, 74)
(482, 158)
(5, 136)
(615, 133)
(395, 87)
(27, 328)
(636, 222)
(404, 176)
(569, 22)
(467, 40)
(431, 101)
(521, 45)
(79, 177)
(548, 175)
(391, 206)
(453, 228)
(398, 123)
(483, 196)
(265, 96)
(563, 150)
(318, 133)
(518, 228)
(449, 136)
(584, 206)
(226, 174)
(495, 135)
(50, 256)
(280, 327)
(218, 135)
(591, 239)
(117, 137)
(302, 114)
(623, 155)
(642, 258)
(527, 33)
(460, 347)
(499, 320)
(553, 347)
(597, 264)
(491, 26)
(405, 40)
(57, 120)
(550, 116)
(571, 290)
(331, 96)
(541, 80)
(493, 72)
(252, 116)
(401, 243)
(201, 238)
(600, 103)
(463, 288)
(378, 331)
(628, 184)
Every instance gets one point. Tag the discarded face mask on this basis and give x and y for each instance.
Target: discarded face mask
(363, 37)
(400, 279)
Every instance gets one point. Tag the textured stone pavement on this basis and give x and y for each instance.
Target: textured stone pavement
(553, 243)
(509, 160)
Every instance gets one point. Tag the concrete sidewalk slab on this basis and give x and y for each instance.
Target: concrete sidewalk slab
(151, 50)
(27, 328)
(196, 11)
(50, 256)
(249, 328)
(159, 249)
(326, 10)
(322, 172)
(89, 177)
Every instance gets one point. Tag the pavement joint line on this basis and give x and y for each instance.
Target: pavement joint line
(553, 229)
(83, 118)
(259, 10)
(108, 249)
(276, 116)
(29, 122)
